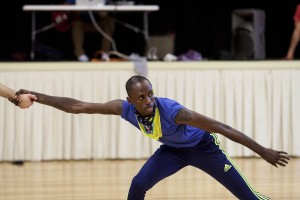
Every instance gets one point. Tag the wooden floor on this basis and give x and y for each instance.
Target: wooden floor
(110, 180)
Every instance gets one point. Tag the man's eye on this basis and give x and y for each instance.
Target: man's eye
(141, 98)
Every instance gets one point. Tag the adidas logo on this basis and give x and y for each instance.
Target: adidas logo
(226, 167)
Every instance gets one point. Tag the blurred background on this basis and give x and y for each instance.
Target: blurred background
(258, 98)
(203, 26)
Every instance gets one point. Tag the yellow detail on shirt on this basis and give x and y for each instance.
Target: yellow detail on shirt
(156, 130)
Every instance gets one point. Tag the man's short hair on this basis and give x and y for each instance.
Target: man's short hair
(134, 80)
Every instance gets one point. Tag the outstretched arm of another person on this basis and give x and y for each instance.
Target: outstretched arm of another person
(192, 118)
(75, 106)
(294, 41)
(7, 92)
(23, 101)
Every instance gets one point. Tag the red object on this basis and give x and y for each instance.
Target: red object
(297, 14)
(61, 21)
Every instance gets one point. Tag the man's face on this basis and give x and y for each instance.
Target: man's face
(141, 96)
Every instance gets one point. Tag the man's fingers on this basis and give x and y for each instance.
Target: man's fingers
(19, 92)
(284, 155)
(22, 91)
(284, 161)
(282, 158)
(15, 101)
(281, 164)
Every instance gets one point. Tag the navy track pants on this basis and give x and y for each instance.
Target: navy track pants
(207, 156)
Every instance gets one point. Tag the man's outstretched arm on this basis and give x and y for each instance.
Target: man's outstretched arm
(195, 119)
(75, 106)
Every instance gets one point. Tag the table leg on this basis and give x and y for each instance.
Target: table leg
(146, 32)
(32, 53)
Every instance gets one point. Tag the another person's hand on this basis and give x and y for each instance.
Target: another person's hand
(23, 100)
(275, 157)
(26, 100)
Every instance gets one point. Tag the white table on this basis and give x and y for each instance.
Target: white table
(109, 8)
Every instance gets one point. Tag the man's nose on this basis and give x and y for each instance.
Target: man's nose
(148, 100)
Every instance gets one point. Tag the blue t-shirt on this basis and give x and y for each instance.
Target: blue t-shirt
(174, 135)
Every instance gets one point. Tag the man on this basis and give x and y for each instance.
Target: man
(23, 100)
(295, 36)
(188, 138)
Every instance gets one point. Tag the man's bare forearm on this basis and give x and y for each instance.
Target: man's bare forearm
(62, 103)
